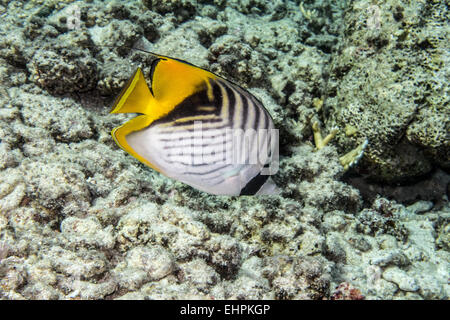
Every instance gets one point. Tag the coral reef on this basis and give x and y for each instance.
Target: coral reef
(389, 81)
(349, 159)
(80, 219)
(346, 292)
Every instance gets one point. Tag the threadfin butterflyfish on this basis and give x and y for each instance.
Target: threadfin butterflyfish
(198, 128)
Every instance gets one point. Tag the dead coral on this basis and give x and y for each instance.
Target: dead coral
(388, 79)
(381, 219)
(349, 159)
(311, 176)
(346, 291)
(63, 70)
(297, 277)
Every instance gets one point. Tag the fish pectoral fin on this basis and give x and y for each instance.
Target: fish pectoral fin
(135, 96)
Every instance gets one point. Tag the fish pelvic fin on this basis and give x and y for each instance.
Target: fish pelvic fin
(135, 96)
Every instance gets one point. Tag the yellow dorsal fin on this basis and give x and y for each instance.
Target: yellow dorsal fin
(174, 80)
(135, 96)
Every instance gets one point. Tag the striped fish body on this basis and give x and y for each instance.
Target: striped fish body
(199, 129)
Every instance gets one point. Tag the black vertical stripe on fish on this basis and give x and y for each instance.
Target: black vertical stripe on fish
(253, 186)
(235, 120)
(251, 105)
(265, 125)
(256, 108)
(231, 103)
(217, 94)
(250, 114)
(245, 111)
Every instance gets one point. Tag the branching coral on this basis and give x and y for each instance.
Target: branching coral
(349, 159)
(308, 14)
(318, 139)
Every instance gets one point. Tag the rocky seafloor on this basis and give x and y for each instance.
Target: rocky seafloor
(81, 219)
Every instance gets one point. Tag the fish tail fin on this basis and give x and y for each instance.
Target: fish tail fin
(135, 96)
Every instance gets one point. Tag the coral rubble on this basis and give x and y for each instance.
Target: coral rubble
(80, 219)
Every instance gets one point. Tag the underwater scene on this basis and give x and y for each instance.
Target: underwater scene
(225, 150)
